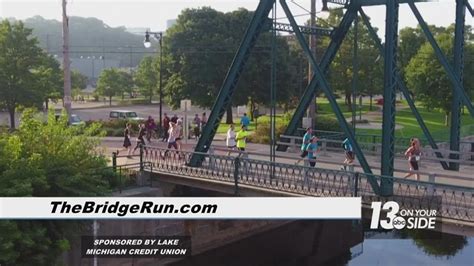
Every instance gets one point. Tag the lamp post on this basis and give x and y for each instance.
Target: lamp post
(147, 44)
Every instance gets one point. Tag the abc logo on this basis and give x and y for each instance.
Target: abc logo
(399, 222)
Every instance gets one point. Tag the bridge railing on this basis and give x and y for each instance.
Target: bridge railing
(453, 202)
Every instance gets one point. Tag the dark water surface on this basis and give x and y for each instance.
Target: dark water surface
(324, 243)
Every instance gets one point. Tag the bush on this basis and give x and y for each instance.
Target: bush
(327, 124)
(262, 133)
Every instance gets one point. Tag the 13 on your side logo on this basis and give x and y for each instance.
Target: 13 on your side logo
(399, 219)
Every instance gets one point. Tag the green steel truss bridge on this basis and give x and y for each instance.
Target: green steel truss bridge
(378, 186)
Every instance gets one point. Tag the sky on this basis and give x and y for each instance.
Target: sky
(154, 14)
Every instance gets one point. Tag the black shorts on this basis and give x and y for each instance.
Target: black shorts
(414, 165)
(349, 155)
(303, 154)
(172, 144)
(241, 149)
(313, 163)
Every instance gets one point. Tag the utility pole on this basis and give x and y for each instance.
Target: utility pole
(312, 47)
(66, 62)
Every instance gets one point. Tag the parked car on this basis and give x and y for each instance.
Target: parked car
(75, 120)
(124, 114)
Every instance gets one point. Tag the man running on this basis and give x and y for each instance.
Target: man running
(241, 138)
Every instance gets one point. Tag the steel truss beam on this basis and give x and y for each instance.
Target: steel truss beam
(304, 29)
(319, 74)
(389, 95)
(442, 58)
(469, 8)
(454, 136)
(403, 88)
(370, 2)
(223, 100)
(329, 55)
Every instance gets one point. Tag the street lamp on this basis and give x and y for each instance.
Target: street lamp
(147, 44)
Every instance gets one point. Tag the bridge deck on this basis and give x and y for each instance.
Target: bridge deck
(451, 202)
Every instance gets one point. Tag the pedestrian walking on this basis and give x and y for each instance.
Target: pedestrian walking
(245, 121)
(413, 153)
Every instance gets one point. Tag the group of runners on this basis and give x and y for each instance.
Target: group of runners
(173, 134)
(309, 149)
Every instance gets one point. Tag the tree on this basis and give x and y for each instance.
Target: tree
(20, 63)
(200, 48)
(49, 79)
(147, 77)
(369, 63)
(47, 160)
(428, 79)
(78, 80)
(113, 82)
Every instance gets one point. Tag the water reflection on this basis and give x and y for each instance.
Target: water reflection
(321, 243)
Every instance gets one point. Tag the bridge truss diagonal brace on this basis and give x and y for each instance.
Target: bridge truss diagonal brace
(336, 40)
(442, 58)
(469, 7)
(329, 94)
(403, 88)
(224, 98)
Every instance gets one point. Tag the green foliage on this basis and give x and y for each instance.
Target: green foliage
(147, 77)
(327, 124)
(199, 49)
(114, 82)
(27, 75)
(427, 77)
(47, 160)
(370, 65)
(78, 81)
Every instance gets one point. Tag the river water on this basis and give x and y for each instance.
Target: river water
(325, 243)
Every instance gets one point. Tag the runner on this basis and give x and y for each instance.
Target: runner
(241, 138)
(312, 149)
(140, 138)
(150, 127)
(166, 127)
(413, 153)
(127, 144)
(172, 134)
(349, 152)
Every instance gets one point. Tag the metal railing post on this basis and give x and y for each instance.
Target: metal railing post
(114, 161)
(236, 175)
(141, 158)
(356, 184)
(432, 180)
(212, 161)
